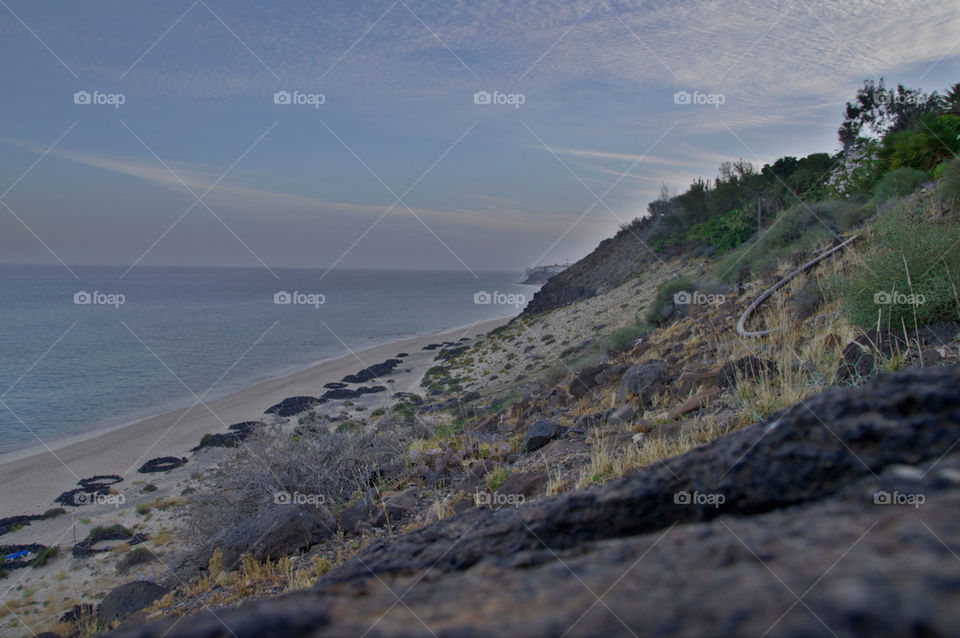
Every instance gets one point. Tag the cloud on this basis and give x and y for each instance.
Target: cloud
(493, 214)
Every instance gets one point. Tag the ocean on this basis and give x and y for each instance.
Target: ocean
(78, 355)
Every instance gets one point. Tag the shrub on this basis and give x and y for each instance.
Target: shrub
(899, 182)
(109, 532)
(496, 478)
(332, 465)
(137, 556)
(621, 339)
(923, 148)
(931, 252)
(800, 228)
(45, 555)
(664, 298)
(950, 186)
(725, 231)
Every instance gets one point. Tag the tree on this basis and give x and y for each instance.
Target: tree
(877, 110)
(950, 103)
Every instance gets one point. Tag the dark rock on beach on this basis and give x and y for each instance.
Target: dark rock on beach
(237, 433)
(11, 522)
(347, 393)
(293, 405)
(162, 464)
(375, 371)
(836, 516)
(90, 488)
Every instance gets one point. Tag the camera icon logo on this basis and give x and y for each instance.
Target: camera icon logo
(482, 298)
(282, 498)
(882, 498)
(281, 97)
(682, 498)
(682, 97)
(81, 97)
(682, 298)
(82, 298)
(82, 498)
(482, 97)
(882, 298)
(282, 298)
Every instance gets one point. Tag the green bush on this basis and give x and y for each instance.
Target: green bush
(620, 339)
(725, 231)
(935, 140)
(800, 228)
(664, 298)
(950, 186)
(880, 290)
(497, 478)
(899, 182)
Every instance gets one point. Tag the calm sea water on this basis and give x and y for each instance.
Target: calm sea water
(68, 367)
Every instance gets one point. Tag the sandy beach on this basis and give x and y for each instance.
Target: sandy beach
(33, 478)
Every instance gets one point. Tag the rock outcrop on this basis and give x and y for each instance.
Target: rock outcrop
(610, 264)
(835, 516)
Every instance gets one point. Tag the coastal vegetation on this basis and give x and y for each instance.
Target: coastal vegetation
(628, 361)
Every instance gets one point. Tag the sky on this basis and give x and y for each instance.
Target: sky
(411, 134)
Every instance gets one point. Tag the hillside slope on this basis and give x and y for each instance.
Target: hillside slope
(610, 264)
(790, 527)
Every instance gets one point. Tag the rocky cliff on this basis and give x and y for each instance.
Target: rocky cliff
(837, 515)
(611, 263)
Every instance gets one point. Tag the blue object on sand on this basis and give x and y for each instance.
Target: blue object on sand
(16, 555)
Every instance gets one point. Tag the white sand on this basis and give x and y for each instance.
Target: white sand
(31, 479)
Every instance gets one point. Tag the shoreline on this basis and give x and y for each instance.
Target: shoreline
(35, 475)
(170, 406)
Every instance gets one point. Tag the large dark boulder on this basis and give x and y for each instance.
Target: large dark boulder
(541, 433)
(835, 516)
(129, 598)
(644, 381)
(585, 380)
(396, 508)
(748, 368)
(277, 531)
